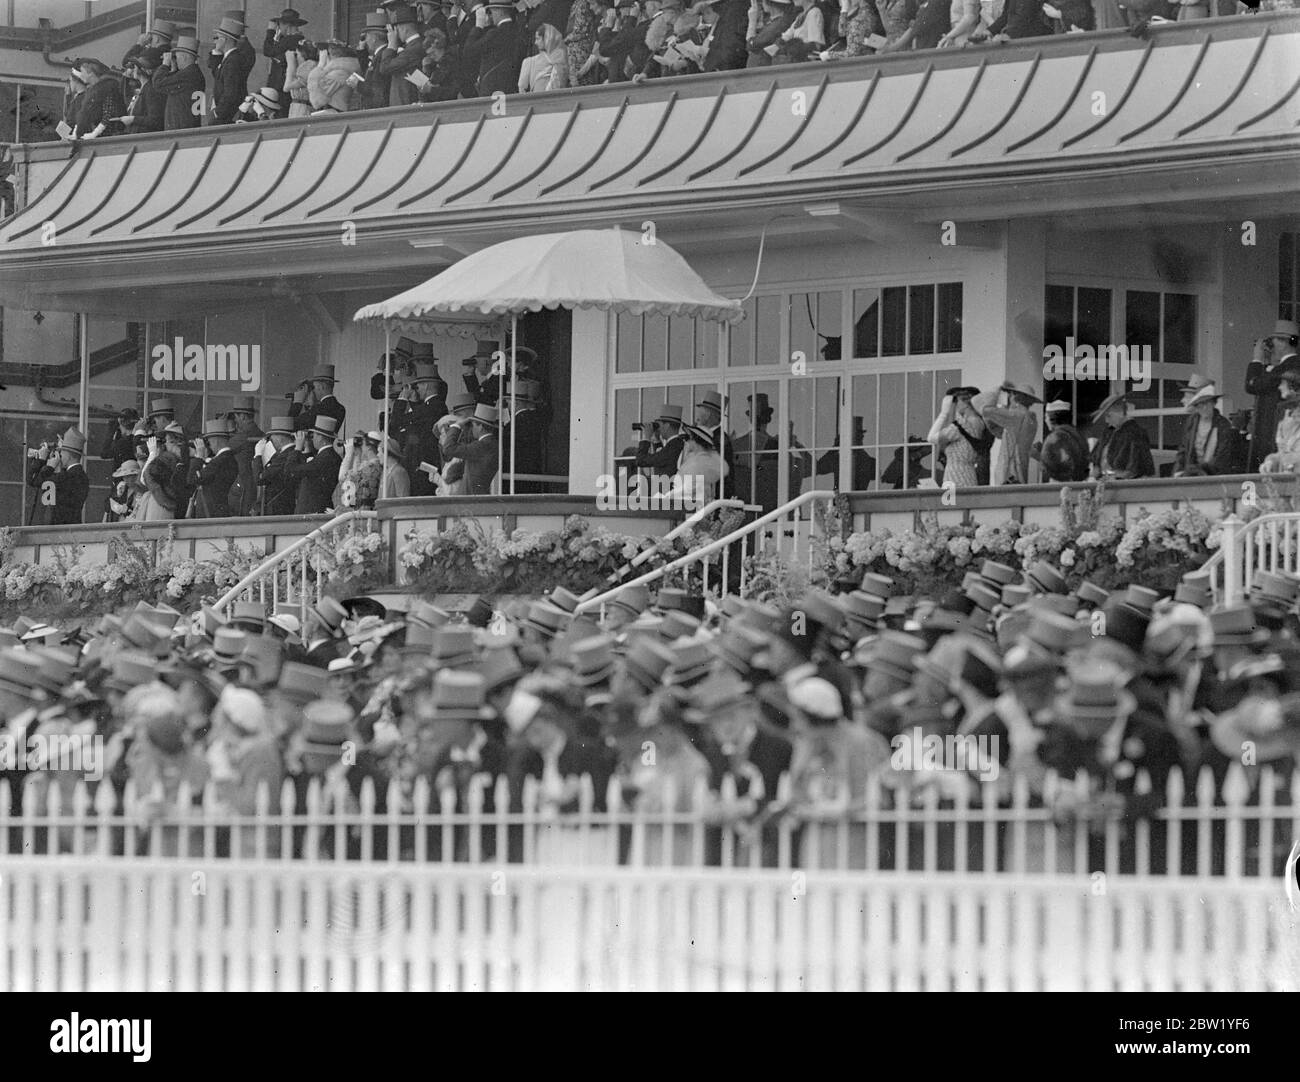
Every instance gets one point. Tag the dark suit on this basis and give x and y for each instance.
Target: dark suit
(118, 447)
(1263, 384)
(281, 488)
(397, 64)
(71, 487)
(495, 54)
(663, 462)
(149, 108)
(317, 478)
(230, 87)
(1226, 455)
(530, 448)
(374, 91)
(180, 88)
(304, 418)
(213, 480)
(243, 445)
(480, 461)
(412, 426)
(727, 49)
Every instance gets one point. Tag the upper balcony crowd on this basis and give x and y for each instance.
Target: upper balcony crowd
(431, 52)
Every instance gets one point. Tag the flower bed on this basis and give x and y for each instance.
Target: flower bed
(1155, 548)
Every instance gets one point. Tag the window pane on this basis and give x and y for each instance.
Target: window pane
(944, 381)
(681, 343)
(629, 344)
(1142, 321)
(655, 348)
(949, 338)
(866, 322)
(767, 346)
(830, 320)
(706, 344)
(892, 418)
(828, 412)
(1286, 271)
(1094, 317)
(920, 338)
(804, 328)
(894, 338)
(1179, 329)
(627, 411)
(920, 408)
(39, 113)
(742, 337)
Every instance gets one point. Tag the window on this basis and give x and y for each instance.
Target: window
(907, 320)
(1161, 328)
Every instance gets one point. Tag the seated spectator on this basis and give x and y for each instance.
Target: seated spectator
(1123, 450)
(768, 20)
(1020, 19)
(805, 35)
(301, 62)
(330, 85)
(548, 67)
(1210, 443)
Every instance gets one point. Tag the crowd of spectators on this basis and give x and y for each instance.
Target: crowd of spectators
(1118, 691)
(440, 51)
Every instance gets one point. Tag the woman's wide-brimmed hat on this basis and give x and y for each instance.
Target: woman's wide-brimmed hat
(1108, 404)
(1205, 394)
(269, 97)
(700, 435)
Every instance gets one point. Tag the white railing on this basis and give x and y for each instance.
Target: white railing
(1244, 830)
(79, 925)
(781, 531)
(1268, 543)
(299, 585)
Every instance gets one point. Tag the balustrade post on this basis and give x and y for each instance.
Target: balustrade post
(1232, 559)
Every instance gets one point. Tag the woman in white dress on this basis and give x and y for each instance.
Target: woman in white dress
(959, 433)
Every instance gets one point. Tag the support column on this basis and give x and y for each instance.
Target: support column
(592, 360)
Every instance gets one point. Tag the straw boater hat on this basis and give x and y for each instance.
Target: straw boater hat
(268, 96)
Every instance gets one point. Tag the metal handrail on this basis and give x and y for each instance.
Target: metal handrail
(682, 527)
(273, 563)
(712, 547)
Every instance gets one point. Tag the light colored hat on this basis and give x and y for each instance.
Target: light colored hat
(1021, 388)
(129, 468)
(1057, 405)
(163, 28)
(1205, 394)
(269, 97)
(377, 438)
(670, 411)
(486, 414)
(218, 426)
(325, 372)
(1110, 402)
(186, 45)
(161, 405)
(231, 28)
(73, 440)
(326, 425)
(280, 426)
(1286, 328)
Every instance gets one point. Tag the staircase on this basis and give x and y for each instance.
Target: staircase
(1268, 543)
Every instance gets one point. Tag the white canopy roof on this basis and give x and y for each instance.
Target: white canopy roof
(609, 269)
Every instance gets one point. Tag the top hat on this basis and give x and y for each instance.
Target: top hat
(1286, 328)
(1109, 402)
(231, 28)
(1141, 598)
(1279, 589)
(244, 403)
(738, 647)
(1125, 623)
(1052, 633)
(527, 390)
(163, 29)
(73, 440)
(378, 20)
(999, 574)
(460, 400)
(592, 660)
(1091, 594)
(454, 646)
(425, 372)
(326, 425)
(401, 13)
(159, 406)
(186, 44)
(564, 599)
(1234, 625)
(635, 599)
(676, 624)
(692, 661)
(862, 611)
(324, 374)
(280, 426)
(425, 614)
(894, 652)
(252, 613)
(228, 646)
(879, 585)
(486, 415)
(499, 666)
(672, 598)
(299, 682)
(545, 618)
(1096, 693)
(217, 426)
(288, 15)
(1043, 576)
(670, 411)
(647, 661)
(713, 400)
(326, 723)
(820, 609)
(330, 613)
(460, 696)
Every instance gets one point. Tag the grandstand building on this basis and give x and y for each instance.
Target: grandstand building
(899, 225)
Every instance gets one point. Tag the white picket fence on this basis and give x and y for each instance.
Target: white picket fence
(69, 924)
(1243, 830)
